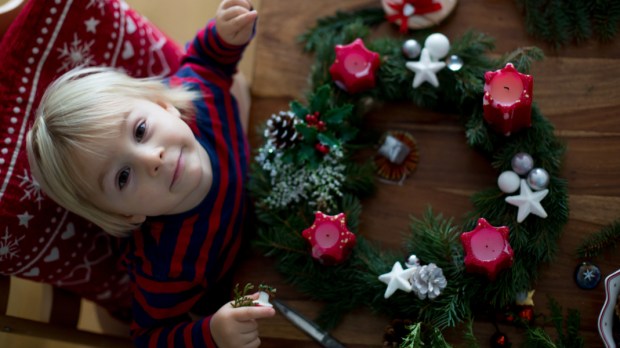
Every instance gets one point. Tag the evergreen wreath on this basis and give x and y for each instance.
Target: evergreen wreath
(289, 183)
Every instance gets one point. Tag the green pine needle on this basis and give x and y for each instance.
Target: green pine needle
(605, 239)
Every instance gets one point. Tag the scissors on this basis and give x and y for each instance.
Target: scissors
(307, 326)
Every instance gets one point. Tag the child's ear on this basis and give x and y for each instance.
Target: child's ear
(136, 219)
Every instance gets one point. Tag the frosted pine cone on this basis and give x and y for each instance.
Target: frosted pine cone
(428, 281)
(280, 131)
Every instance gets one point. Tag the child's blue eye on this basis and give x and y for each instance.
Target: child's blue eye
(140, 131)
(122, 178)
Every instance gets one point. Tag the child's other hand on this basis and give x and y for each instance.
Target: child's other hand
(234, 21)
(237, 327)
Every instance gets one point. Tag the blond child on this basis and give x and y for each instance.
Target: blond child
(165, 163)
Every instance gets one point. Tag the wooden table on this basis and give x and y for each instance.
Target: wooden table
(577, 87)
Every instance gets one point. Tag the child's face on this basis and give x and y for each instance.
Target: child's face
(154, 167)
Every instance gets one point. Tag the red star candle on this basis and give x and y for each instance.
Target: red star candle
(330, 239)
(355, 66)
(507, 100)
(487, 249)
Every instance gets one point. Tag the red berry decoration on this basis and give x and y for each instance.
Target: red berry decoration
(322, 148)
(526, 313)
(311, 119)
(500, 340)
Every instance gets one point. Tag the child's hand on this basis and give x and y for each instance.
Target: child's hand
(237, 327)
(234, 21)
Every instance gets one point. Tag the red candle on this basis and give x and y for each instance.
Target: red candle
(507, 101)
(487, 249)
(329, 238)
(355, 66)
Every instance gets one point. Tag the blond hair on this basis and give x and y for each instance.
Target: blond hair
(77, 110)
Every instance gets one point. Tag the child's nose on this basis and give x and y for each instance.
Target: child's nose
(153, 159)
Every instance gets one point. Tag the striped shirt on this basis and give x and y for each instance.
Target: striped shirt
(173, 259)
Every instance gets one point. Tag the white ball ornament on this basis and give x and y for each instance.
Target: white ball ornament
(508, 181)
(538, 179)
(438, 45)
(522, 163)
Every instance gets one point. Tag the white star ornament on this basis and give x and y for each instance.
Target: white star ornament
(425, 69)
(528, 202)
(397, 279)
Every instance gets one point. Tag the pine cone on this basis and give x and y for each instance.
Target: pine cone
(281, 132)
(428, 281)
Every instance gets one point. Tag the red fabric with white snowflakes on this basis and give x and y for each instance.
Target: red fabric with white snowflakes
(39, 240)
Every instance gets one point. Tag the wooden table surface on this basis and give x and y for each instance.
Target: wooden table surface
(577, 87)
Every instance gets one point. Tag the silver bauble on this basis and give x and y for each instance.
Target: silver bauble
(538, 179)
(411, 49)
(454, 62)
(522, 163)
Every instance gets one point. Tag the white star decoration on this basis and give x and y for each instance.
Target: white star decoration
(425, 69)
(397, 279)
(91, 25)
(24, 218)
(528, 202)
(589, 274)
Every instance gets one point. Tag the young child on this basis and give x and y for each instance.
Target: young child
(170, 157)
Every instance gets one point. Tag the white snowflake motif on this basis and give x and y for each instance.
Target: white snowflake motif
(76, 54)
(32, 189)
(9, 247)
(589, 274)
(100, 4)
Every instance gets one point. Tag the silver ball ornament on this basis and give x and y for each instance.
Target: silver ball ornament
(522, 163)
(508, 181)
(538, 179)
(411, 49)
(454, 62)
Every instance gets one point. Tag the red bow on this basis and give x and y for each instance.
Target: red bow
(419, 7)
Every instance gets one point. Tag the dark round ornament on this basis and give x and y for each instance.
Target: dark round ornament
(500, 340)
(587, 275)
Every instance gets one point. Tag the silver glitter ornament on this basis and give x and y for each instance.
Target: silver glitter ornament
(522, 163)
(454, 62)
(394, 150)
(538, 179)
(411, 49)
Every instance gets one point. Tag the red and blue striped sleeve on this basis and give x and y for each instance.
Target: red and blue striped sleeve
(208, 49)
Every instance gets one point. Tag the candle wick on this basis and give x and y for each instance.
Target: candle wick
(507, 88)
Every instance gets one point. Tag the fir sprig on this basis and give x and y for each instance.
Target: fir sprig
(241, 298)
(605, 239)
(328, 26)
(560, 22)
(566, 327)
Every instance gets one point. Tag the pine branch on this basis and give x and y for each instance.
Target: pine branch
(560, 22)
(605, 239)
(327, 26)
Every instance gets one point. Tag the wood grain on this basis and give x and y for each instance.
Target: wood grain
(576, 87)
